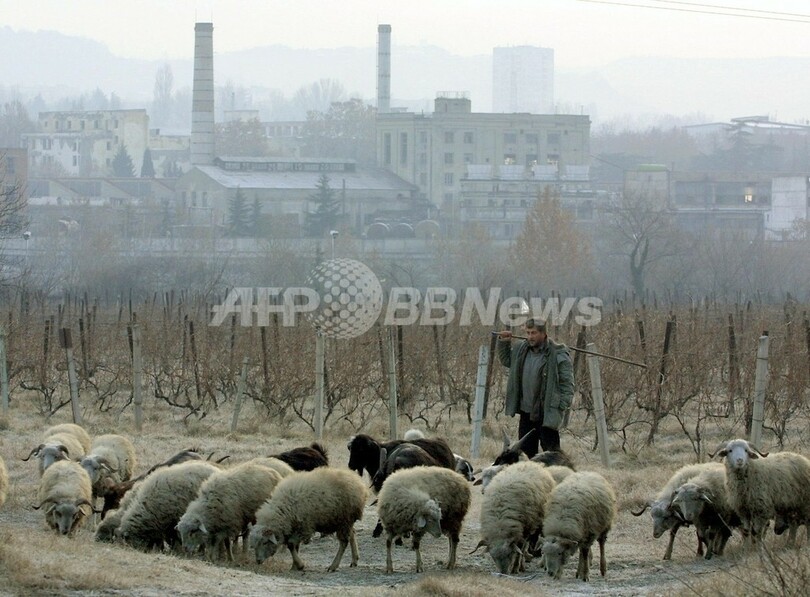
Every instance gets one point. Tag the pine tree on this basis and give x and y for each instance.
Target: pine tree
(325, 216)
(122, 165)
(256, 217)
(238, 215)
(148, 168)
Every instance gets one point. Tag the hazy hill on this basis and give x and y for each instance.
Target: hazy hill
(57, 65)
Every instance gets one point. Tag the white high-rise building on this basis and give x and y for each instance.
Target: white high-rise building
(523, 79)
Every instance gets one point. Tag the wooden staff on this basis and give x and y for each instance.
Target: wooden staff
(582, 350)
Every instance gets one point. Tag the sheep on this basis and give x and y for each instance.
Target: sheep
(226, 505)
(556, 460)
(114, 492)
(425, 499)
(559, 473)
(76, 431)
(512, 513)
(324, 500)
(703, 502)
(413, 434)
(663, 516)
(111, 456)
(56, 447)
(581, 509)
(759, 490)
(111, 520)
(464, 468)
(305, 458)
(3, 482)
(282, 468)
(401, 457)
(512, 452)
(162, 499)
(364, 452)
(65, 488)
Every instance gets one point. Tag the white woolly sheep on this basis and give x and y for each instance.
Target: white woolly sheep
(425, 499)
(703, 502)
(760, 489)
(512, 513)
(111, 457)
(162, 499)
(106, 529)
(413, 434)
(226, 505)
(281, 467)
(65, 489)
(559, 473)
(581, 510)
(322, 501)
(56, 447)
(663, 516)
(3, 482)
(76, 431)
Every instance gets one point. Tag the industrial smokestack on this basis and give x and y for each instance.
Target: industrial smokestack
(383, 69)
(202, 98)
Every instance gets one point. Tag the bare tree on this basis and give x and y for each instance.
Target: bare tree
(162, 98)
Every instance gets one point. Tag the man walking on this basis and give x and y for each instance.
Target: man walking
(540, 386)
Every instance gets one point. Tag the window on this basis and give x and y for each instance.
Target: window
(387, 149)
(205, 199)
(193, 198)
(531, 138)
(115, 123)
(448, 178)
(56, 125)
(449, 137)
(509, 158)
(109, 145)
(553, 139)
(553, 159)
(510, 138)
(448, 159)
(531, 159)
(95, 124)
(403, 148)
(468, 158)
(82, 124)
(70, 124)
(75, 160)
(468, 138)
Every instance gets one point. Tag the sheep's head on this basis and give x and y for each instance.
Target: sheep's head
(264, 542)
(105, 531)
(488, 474)
(96, 467)
(689, 500)
(663, 516)
(513, 453)
(50, 453)
(429, 519)
(363, 450)
(193, 534)
(737, 453)
(464, 468)
(556, 551)
(64, 516)
(505, 554)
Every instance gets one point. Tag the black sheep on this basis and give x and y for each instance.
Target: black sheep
(364, 452)
(305, 458)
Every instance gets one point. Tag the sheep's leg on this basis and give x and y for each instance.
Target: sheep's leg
(344, 541)
(353, 544)
(389, 563)
(583, 567)
(228, 549)
(602, 561)
(297, 563)
(416, 541)
(791, 540)
(673, 531)
(451, 560)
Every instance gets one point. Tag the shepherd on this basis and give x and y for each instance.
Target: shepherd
(540, 386)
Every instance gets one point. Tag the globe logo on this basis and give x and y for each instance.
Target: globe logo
(351, 298)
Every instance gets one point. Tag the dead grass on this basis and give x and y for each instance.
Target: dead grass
(467, 585)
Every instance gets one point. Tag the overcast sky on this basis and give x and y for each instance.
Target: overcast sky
(583, 34)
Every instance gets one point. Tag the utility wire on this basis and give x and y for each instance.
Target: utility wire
(734, 8)
(702, 12)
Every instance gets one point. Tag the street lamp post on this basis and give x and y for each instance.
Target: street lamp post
(333, 234)
(26, 236)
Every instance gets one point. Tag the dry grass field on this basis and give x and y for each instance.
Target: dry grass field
(34, 561)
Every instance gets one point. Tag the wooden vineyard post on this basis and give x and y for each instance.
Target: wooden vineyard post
(480, 393)
(240, 392)
(760, 389)
(392, 385)
(137, 377)
(3, 373)
(598, 405)
(319, 384)
(66, 340)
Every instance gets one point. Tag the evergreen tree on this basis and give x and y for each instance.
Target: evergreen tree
(148, 168)
(256, 217)
(325, 216)
(122, 165)
(238, 215)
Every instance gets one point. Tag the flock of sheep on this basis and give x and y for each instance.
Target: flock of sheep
(541, 507)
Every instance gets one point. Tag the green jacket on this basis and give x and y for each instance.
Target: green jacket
(559, 381)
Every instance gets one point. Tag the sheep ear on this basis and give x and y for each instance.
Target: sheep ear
(506, 440)
(705, 496)
(272, 539)
(478, 482)
(720, 451)
(421, 522)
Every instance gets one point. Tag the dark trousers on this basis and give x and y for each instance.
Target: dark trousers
(549, 439)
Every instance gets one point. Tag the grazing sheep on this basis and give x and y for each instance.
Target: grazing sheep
(559, 473)
(663, 516)
(488, 474)
(425, 499)
(65, 489)
(76, 431)
(114, 492)
(162, 499)
(226, 505)
(56, 447)
(703, 502)
(402, 457)
(512, 452)
(111, 456)
(282, 468)
(464, 468)
(554, 458)
(760, 489)
(106, 529)
(581, 510)
(3, 482)
(306, 458)
(364, 452)
(413, 434)
(512, 513)
(322, 501)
